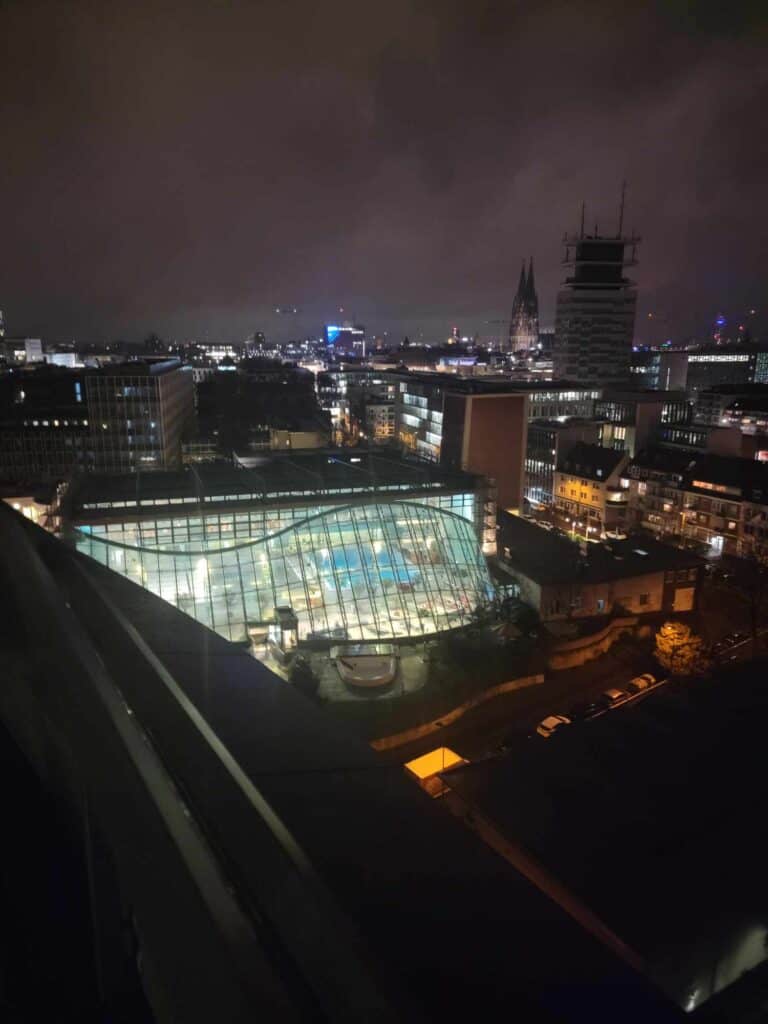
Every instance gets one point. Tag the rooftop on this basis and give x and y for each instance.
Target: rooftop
(491, 383)
(591, 461)
(548, 558)
(747, 476)
(279, 475)
(638, 811)
(129, 368)
(643, 396)
(664, 460)
(565, 424)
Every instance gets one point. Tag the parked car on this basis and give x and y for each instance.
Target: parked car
(640, 683)
(583, 712)
(549, 725)
(736, 638)
(614, 696)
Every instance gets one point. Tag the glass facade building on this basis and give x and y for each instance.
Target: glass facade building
(368, 571)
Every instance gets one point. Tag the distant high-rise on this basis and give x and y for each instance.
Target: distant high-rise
(595, 317)
(524, 323)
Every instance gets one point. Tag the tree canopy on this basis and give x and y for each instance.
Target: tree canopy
(679, 650)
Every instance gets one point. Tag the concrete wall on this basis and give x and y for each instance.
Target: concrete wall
(572, 653)
(580, 600)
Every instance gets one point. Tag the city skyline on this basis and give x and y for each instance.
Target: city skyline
(395, 163)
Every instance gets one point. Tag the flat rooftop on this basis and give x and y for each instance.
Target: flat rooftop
(492, 383)
(650, 814)
(298, 475)
(548, 558)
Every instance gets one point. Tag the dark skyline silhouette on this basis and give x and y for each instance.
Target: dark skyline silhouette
(189, 168)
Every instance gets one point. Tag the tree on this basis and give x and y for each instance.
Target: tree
(680, 651)
(752, 584)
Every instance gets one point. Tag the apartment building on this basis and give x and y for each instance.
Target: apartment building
(591, 491)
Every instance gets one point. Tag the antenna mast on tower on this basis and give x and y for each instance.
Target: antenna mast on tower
(621, 206)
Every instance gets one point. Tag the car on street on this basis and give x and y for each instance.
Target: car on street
(614, 696)
(736, 638)
(583, 712)
(724, 649)
(640, 683)
(548, 726)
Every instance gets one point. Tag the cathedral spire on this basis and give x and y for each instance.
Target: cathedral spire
(521, 287)
(524, 323)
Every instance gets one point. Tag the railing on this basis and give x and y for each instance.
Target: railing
(230, 915)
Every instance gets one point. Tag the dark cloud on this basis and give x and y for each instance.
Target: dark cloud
(187, 168)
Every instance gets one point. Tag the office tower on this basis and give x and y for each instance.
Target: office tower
(524, 323)
(345, 337)
(595, 316)
(120, 418)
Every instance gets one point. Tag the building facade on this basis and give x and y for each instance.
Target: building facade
(122, 418)
(475, 425)
(727, 366)
(548, 441)
(632, 418)
(358, 548)
(660, 369)
(621, 577)
(716, 503)
(591, 491)
(595, 316)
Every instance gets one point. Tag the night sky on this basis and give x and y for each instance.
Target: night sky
(188, 167)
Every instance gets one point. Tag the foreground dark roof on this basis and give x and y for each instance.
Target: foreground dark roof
(648, 814)
(449, 923)
(548, 558)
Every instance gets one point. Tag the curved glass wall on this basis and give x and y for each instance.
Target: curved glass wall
(364, 571)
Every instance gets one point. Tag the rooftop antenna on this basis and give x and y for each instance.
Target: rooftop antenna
(583, 208)
(621, 206)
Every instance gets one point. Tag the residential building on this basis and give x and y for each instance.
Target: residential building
(631, 417)
(561, 582)
(344, 391)
(721, 497)
(524, 323)
(715, 502)
(122, 418)
(710, 404)
(548, 441)
(595, 316)
(655, 496)
(591, 490)
(380, 422)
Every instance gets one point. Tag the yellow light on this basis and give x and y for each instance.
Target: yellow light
(435, 761)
